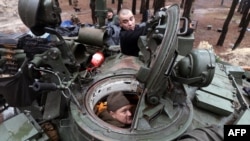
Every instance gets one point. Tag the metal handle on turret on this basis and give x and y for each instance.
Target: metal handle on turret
(38, 86)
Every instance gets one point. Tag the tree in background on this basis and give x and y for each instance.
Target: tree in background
(158, 4)
(182, 3)
(243, 25)
(245, 10)
(70, 2)
(222, 2)
(242, 33)
(92, 7)
(226, 23)
(144, 10)
(119, 6)
(134, 7)
(143, 6)
(242, 6)
(187, 8)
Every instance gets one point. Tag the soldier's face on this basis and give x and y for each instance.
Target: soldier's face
(127, 21)
(110, 15)
(123, 114)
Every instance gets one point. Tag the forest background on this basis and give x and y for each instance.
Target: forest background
(205, 13)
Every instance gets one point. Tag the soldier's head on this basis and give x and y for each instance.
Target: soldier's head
(126, 19)
(110, 14)
(119, 107)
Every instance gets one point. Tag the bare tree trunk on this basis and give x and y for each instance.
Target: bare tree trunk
(144, 10)
(142, 7)
(242, 32)
(158, 4)
(92, 7)
(147, 4)
(244, 14)
(134, 7)
(119, 6)
(70, 2)
(222, 2)
(240, 6)
(182, 3)
(226, 23)
(187, 8)
(244, 4)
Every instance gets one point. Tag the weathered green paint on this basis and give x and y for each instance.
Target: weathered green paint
(244, 118)
(19, 128)
(213, 103)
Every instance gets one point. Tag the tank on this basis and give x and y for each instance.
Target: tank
(58, 83)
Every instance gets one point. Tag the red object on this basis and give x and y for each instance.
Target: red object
(97, 59)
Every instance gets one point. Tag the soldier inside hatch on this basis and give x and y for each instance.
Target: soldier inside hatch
(119, 111)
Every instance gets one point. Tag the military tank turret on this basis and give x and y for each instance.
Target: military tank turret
(62, 82)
